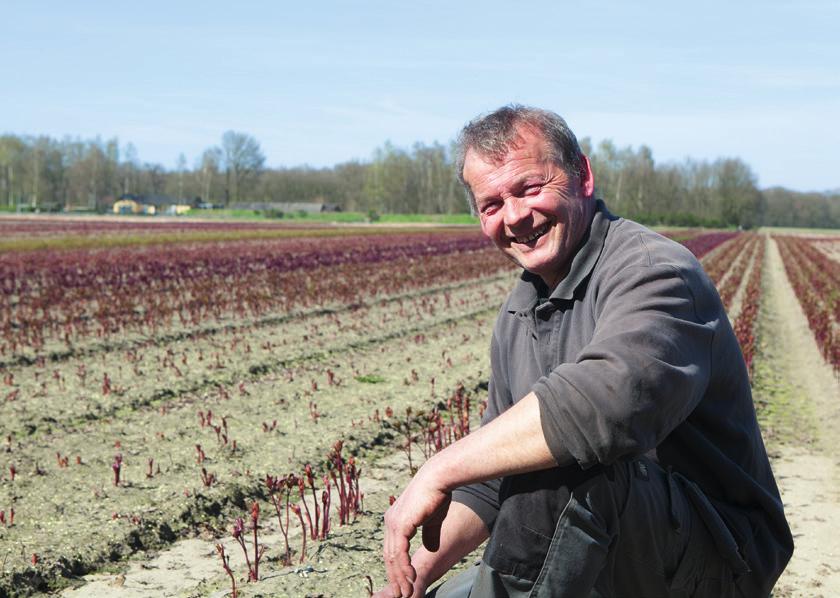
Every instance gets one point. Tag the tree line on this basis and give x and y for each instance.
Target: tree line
(70, 174)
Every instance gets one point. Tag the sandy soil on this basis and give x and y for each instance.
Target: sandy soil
(801, 417)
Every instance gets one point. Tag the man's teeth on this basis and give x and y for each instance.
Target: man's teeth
(539, 233)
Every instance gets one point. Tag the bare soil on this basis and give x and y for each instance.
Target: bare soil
(798, 398)
(796, 394)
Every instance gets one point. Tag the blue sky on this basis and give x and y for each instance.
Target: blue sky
(324, 82)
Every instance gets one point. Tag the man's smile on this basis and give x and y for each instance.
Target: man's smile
(533, 236)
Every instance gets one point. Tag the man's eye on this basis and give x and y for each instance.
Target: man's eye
(533, 189)
(489, 208)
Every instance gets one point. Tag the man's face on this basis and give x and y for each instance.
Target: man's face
(531, 209)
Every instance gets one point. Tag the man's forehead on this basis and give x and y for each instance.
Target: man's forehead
(527, 146)
(526, 140)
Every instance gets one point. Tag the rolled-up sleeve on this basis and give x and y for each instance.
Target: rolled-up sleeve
(642, 374)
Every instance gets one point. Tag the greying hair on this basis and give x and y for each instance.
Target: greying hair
(493, 135)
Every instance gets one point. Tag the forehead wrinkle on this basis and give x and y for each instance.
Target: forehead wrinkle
(502, 179)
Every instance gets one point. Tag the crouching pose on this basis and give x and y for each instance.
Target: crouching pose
(620, 453)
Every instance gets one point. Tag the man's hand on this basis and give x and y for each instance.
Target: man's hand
(461, 532)
(422, 504)
(515, 440)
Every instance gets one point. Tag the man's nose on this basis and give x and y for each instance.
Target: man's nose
(515, 210)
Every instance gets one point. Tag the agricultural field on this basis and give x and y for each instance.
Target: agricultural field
(192, 406)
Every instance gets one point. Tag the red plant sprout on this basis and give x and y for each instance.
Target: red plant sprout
(224, 395)
(310, 478)
(117, 467)
(297, 511)
(258, 550)
(12, 471)
(325, 502)
(302, 492)
(237, 532)
(332, 379)
(336, 463)
(200, 456)
(35, 558)
(406, 428)
(226, 566)
(149, 473)
(269, 428)
(11, 516)
(106, 385)
(208, 479)
(279, 489)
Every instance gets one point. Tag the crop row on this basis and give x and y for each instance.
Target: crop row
(816, 281)
(745, 323)
(65, 297)
(719, 263)
(101, 385)
(12, 227)
(702, 244)
(729, 284)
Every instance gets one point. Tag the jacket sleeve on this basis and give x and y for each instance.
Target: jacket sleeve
(483, 497)
(643, 373)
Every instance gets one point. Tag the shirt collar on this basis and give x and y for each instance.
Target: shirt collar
(526, 292)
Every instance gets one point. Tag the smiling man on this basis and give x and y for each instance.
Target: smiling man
(619, 454)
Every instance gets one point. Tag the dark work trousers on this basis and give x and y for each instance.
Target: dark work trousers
(634, 531)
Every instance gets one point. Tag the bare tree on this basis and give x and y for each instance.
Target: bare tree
(209, 170)
(243, 162)
(181, 167)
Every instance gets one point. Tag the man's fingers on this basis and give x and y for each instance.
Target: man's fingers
(401, 574)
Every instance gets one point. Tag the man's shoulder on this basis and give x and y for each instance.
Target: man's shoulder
(629, 243)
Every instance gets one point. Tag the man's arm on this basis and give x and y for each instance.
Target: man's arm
(512, 443)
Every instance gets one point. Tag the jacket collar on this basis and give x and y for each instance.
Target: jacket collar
(525, 294)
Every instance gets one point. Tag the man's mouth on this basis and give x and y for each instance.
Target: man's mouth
(533, 236)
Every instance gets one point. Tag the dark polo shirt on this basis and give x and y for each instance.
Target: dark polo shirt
(631, 354)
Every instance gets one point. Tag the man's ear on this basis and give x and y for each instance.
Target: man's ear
(587, 179)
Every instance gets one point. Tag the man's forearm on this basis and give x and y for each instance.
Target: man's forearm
(462, 531)
(510, 444)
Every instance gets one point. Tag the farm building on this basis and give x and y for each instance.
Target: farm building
(150, 205)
